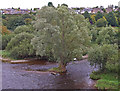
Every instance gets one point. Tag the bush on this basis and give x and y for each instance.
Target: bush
(23, 28)
(94, 76)
(5, 40)
(15, 21)
(107, 35)
(4, 53)
(101, 22)
(112, 63)
(20, 46)
(102, 55)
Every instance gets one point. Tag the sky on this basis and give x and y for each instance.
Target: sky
(71, 3)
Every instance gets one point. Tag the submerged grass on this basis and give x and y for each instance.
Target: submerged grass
(106, 80)
(55, 69)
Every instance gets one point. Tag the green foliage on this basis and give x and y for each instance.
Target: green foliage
(3, 16)
(5, 40)
(101, 22)
(4, 53)
(112, 20)
(26, 16)
(55, 69)
(94, 76)
(112, 63)
(94, 33)
(15, 21)
(23, 28)
(20, 46)
(28, 21)
(0, 42)
(86, 15)
(107, 80)
(106, 84)
(64, 5)
(50, 4)
(107, 35)
(60, 33)
(102, 55)
(0, 52)
(98, 15)
(4, 22)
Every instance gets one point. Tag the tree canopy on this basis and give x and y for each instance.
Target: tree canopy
(98, 15)
(13, 22)
(101, 22)
(112, 20)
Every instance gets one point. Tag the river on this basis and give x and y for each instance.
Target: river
(29, 76)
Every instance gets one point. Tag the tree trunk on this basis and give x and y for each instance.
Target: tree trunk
(62, 66)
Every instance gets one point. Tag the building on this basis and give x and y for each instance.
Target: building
(16, 11)
(95, 10)
(108, 10)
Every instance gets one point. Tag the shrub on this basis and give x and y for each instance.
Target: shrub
(20, 46)
(112, 63)
(5, 40)
(23, 28)
(107, 35)
(101, 22)
(15, 21)
(94, 76)
(101, 55)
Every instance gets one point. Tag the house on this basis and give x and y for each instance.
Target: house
(117, 9)
(95, 10)
(15, 11)
(89, 10)
(108, 10)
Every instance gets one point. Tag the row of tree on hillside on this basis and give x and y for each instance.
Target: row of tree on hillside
(103, 19)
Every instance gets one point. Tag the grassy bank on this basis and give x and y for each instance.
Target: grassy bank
(4, 53)
(106, 80)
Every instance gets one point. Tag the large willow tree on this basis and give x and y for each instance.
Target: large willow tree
(60, 33)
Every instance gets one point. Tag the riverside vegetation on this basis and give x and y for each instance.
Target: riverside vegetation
(60, 35)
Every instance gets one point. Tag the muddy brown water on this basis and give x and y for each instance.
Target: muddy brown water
(28, 76)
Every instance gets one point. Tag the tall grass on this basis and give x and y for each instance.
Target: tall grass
(4, 53)
(106, 80)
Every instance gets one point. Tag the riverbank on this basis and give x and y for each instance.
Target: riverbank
(106, 80)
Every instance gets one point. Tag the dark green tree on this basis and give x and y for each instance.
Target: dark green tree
(86, 15)
(101, 22)
(13, 22)
(3, 16)
(112, 20)
(64, 5)
(105, 56)
(98, 15)
(26, 16)
(107, 35)
(50, 4)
